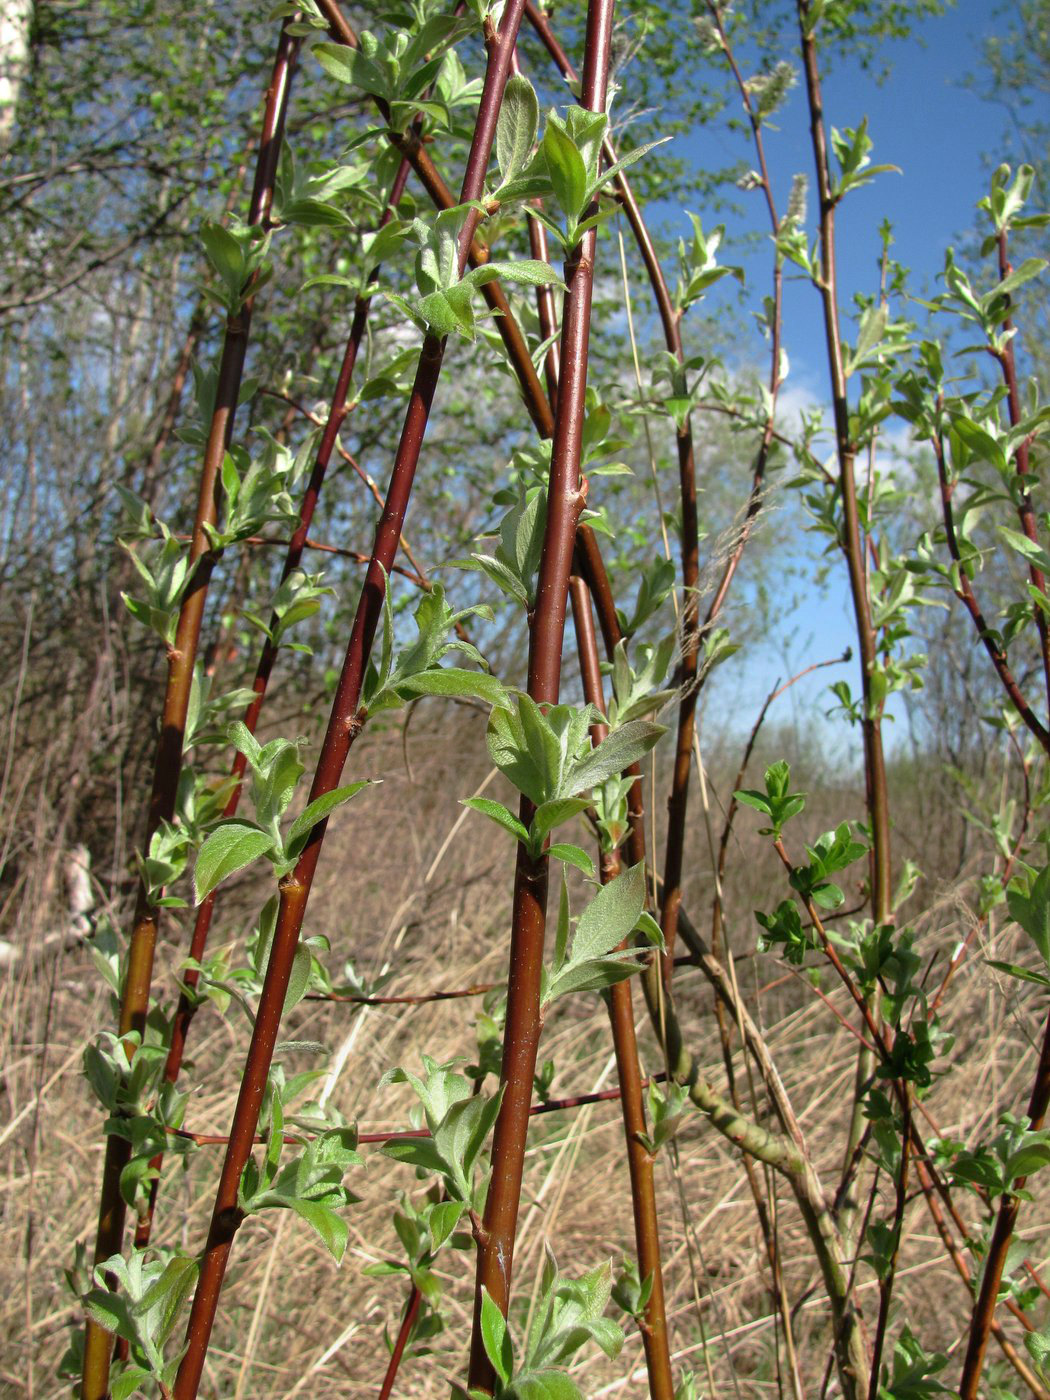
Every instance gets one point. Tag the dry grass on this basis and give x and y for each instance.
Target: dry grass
(292, 1323)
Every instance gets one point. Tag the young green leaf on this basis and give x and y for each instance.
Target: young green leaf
(331, 1226)
(316, 811)
(623, 747)
(231, 847)
(496, 812)
(572, 855)
(498, 1345)
(516, 129)
(1031, 910)
(610, 916)
(567, 171)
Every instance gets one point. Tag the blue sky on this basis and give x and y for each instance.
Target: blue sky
(945, 139)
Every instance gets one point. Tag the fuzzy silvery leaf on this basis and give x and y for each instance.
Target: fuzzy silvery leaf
(329, 1225)
(442, 1219)
(453, 681)
(611, 915)
(460, 1136)
(226, 255)
(542, 1385)
(516, 129)
(594, 975)
(527, 272)
(162, 1301)
(555, 813)
(623, 747)
(1038, 1346)
(439, 1089)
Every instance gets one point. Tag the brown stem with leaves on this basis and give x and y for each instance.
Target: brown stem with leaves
(875, 783)
(1025, 508)
(565, 498)
(412, 149)
(962, 1268)
(769, 436)
(965, 593)
(720, 949)
(886, 1282)
(787, 1152)
(187, 1003)
(408, 1321)
(181, 658)
(678, 801)
(640, 1164)
(344, 724)
(1005, 1223)
(874, 760)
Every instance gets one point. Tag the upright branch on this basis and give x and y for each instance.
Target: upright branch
(853, 548)
(187, 1002)
(565, 498)
(785, 1152)
(846, 451)
(411, 148)
(678, 801)
(619, 1000)
(181, 658)
(964, 591)
(1025, 509)
(775, 326)
(344, 724)
(983, 1317)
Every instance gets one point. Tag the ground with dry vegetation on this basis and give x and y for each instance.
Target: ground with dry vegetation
(415, 913)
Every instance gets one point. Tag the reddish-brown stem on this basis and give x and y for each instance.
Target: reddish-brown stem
(181, 658)
(412, 149)
(1034, 1274)
(678, 801)
(422, 999)
(886, 1284)
(874, 760)
(758, 474)
(621, 1016)
(965, 593)
(408, 1321)
(397, 1134)
(962, 1268)
(832, 956)
(544, 297)
(1006, 1220)
(1025, 509)
(791, 1156)
(852, 545)
(983, 1316)
(565, 496)
(344, 724)
(187, 1002)
(294, 406)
